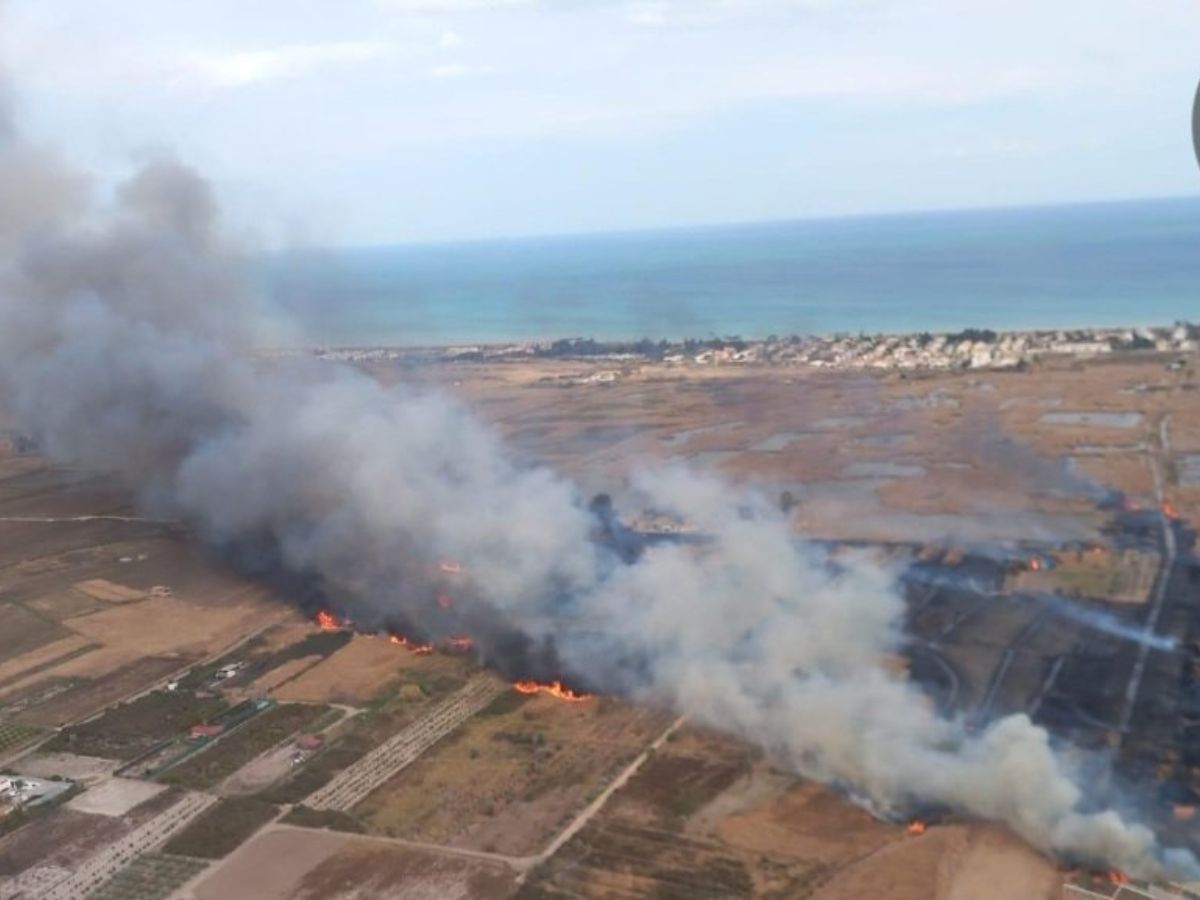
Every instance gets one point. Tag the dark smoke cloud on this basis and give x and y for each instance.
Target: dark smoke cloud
(124, 347)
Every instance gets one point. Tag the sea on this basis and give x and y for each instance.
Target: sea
(1123, 263)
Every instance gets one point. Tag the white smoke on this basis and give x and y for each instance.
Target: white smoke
(123, 348)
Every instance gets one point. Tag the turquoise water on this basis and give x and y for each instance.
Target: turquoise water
(1102, 264)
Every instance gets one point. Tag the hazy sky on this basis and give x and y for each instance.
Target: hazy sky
(387, 120)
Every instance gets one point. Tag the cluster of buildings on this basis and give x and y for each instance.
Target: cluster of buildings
(18, 792)
(987, 350)
(968, 349)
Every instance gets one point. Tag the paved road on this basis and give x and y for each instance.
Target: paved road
(352, 785)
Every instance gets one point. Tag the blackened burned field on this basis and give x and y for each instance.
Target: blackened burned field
(1031, 630)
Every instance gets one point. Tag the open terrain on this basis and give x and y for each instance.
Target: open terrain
(1026, 509)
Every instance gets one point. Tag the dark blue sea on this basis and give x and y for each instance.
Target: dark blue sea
(1129, 263)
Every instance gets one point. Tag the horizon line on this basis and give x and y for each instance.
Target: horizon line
(533, 236)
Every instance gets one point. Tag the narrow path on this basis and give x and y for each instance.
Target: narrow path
(522, 864)
(596, 805)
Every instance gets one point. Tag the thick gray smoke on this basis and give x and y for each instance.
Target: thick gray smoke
(123, 348)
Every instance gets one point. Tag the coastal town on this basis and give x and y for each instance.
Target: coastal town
(971, 348)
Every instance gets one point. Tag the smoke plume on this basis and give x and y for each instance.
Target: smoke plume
(124, 348)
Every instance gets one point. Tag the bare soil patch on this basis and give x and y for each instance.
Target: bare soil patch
(84, 769)
(298, 864)
(270, 866)
(115, 797)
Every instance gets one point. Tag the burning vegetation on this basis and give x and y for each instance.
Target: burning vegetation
(554, 688)
(327, 621)
(419, 649)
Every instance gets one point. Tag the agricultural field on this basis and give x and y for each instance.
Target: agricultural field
(223, 757)
(352, 675)
(82, 697)
(128, 730)
(14, 736)
(704, 818)
(393, 707)
(151, 876)
(25, 630)
(514, 775)
(220, 830)
(267, 660)
(297, 864)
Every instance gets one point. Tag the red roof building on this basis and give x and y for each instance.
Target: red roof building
(309, 742)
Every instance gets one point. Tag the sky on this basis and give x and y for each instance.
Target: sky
(381, 121)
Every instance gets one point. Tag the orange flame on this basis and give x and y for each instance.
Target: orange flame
(553, 688)
(1168, 509)
(401, 641)
(1035, 565)
(916, 827)
(450, 568)
(327, 621)
(1116, 876)
(460, 642)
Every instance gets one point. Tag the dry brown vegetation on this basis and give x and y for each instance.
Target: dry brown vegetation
(513, 776)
